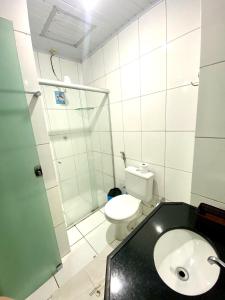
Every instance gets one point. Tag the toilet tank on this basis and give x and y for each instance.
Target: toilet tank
(139, 184)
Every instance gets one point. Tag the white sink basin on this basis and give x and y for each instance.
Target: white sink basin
(180, 258)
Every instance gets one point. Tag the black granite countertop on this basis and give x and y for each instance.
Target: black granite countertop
(131, 272)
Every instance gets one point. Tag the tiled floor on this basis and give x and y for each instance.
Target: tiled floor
(88, 238)
(83, 274)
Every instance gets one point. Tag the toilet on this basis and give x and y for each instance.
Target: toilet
(123, 209)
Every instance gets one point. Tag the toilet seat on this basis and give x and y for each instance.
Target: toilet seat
(122, 208)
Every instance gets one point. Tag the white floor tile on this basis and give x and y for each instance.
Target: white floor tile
(91, 276)
(78, 287)
(96, 269)
(81, 254)
(73, 235)
(91, 222)
(45, 291)
(101, 236)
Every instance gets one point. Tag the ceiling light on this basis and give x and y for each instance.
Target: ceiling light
(89, 4)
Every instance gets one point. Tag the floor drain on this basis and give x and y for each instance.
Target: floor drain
(182, 274)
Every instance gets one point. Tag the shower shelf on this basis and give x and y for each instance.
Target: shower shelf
(84, 108)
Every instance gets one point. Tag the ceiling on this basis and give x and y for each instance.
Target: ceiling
(75, 28)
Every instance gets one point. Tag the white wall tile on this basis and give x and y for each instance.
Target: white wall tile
(158, 183)
(107, 166)
(105, 139)
(49, 176)
(153, 112)
(62, 146)
(78, 141)
(183, 60)
(58, 120)
(129, 43)
(100, 83)
(75, 120)
(69, 189)
(111, 55)
(153, 71)
(66, 168)
(196, 200)
(132, 142)
(95, 140)
(211, 105)
(16, 11)
(82, 165)
(108, 182)
(213, 26)
(153, 147)
(98, 64)
(25, 53)
(209, 168)
(152, 28)
(116, 116)
(119, 168)
(62, 240)
(113, 83)
(182, 17)
(180, 150)
(177, 185)
(69, 68)
(54, 201)
(118, 142)
(131, 115)
(181, 108)
(97, 161)
(130, 80)
(87, 70)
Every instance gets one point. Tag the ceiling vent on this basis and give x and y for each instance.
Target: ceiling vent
(66, 28)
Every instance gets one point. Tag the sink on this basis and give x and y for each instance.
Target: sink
(181, 260)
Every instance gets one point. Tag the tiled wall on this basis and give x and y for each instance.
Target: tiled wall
(16, 11)
(149, 67)
(209, 164)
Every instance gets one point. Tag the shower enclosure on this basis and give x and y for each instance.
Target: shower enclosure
(80, 135)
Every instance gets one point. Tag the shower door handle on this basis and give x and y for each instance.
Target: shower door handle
(38, 171)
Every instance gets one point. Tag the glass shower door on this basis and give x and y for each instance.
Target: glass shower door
(29, 253)
(82, 150)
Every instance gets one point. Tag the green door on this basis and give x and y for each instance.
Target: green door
(28, 249)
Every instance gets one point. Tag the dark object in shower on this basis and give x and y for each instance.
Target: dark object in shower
(113, 193)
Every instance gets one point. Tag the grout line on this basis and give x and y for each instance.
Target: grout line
(210, 137)
(208, 198)
(56, 282)
(182, 35)
(87, 242)
(140, 81)
(166, 93)
(212, 64)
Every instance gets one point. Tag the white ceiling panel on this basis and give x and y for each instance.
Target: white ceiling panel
(75, 28)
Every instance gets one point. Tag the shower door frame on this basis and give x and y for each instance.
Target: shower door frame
(62, 84)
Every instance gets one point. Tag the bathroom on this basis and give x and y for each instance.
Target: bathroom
(116, 132)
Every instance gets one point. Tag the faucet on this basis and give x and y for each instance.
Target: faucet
(215, 260)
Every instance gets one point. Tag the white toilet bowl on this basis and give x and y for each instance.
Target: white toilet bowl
(121, 210)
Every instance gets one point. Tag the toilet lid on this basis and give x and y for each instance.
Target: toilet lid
(122, 207)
